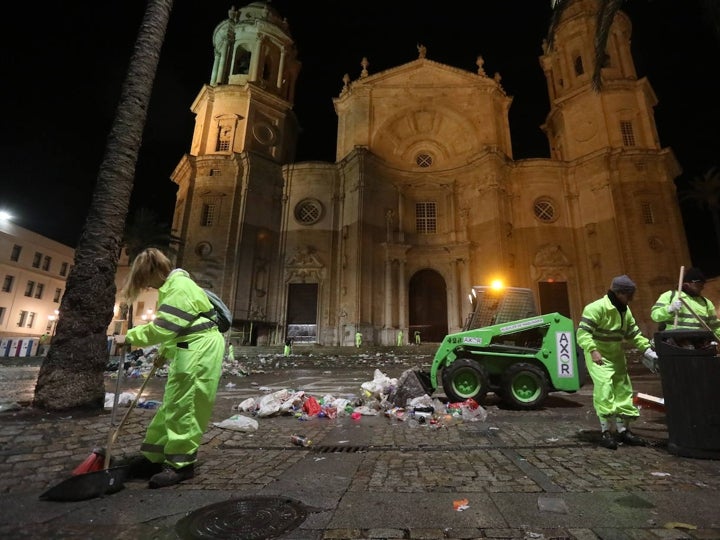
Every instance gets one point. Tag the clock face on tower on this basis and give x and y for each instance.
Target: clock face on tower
(265, 133)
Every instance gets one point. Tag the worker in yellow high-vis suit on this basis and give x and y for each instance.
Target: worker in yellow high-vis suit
(693, 310)
(191, 342)
(604, 326)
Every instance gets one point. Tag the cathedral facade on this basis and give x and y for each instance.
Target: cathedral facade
(424, 199)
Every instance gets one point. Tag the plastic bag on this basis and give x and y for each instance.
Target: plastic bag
(238, 422)
(311, 406)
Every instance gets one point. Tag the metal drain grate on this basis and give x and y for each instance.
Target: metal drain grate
(250, 518)
(339, 449)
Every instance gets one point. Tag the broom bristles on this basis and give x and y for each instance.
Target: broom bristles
(94, 462)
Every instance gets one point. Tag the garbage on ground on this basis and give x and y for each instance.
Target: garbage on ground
(461, 504)
(300, 440)
(238, 422)
(418, 410)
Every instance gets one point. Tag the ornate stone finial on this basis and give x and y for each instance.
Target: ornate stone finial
(498, 78)
(545, 46)
(480, 62)
(422, 50)
(346, 84)
(364, 63)
(233, 14)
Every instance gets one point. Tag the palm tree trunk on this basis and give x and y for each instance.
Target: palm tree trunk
(71, 375)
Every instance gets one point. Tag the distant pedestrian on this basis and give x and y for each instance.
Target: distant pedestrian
(417, 337)
(604, 326)
(230, 352)
(358, 339)
(288, 347)
(399, 338)
(43, 344)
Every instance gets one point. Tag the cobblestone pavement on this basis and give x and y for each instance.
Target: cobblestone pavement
(523, 474)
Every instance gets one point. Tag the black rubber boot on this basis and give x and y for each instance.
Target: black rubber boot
(171, 476)
(608, 441)
(629, 438)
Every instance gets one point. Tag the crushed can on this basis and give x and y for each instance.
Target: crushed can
(300, 440)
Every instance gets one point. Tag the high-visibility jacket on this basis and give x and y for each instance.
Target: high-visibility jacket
(195, 349)
(602, 328)
(703, 307)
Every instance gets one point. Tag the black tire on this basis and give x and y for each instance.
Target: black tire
(524, 386)
(465, 379)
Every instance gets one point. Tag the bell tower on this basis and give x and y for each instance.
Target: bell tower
(228, 209)
(581, 119)
(618, 179)
(248, 103)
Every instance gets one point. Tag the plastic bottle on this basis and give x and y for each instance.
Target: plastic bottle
(300, 440)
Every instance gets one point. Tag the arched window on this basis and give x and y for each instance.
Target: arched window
(241, 66)
(578, 64)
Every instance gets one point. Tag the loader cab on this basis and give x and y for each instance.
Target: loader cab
(492, 305)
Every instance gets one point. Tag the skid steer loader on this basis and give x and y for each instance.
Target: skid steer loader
(507, 348)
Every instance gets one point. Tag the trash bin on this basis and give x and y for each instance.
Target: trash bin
(690, 373)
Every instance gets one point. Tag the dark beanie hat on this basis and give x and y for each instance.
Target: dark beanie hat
(693, 274)
(622, 284)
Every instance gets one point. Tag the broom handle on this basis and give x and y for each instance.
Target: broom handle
(114, 433)
(680, 282)
(124, 350)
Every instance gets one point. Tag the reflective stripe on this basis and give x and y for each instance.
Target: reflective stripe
(196, 328)
(167, 325)
(172, 310)
(154, 448)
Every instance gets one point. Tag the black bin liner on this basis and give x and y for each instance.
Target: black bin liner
(690, 373)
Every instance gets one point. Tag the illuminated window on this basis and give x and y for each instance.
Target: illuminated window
(426, 217)
(208, 215)
(308, 211)
(544, 210)
(647, 213)
(8, 283)
(423, 160)
(628, 136)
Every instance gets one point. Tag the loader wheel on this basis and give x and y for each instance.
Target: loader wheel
(465, 379)
(524, 386)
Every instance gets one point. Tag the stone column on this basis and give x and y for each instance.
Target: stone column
(401, 289)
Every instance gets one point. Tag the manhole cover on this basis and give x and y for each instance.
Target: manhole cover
(247, 518)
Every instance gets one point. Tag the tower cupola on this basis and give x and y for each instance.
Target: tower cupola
(254, 45)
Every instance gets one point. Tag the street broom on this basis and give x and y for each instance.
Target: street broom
(102, 481)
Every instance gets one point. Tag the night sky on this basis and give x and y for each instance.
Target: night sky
(63, 64)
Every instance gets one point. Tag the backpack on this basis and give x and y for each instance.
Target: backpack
(220, 314)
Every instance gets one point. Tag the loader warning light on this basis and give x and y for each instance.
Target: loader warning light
(496, 285)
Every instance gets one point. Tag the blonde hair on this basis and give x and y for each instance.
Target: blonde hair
(149, 268)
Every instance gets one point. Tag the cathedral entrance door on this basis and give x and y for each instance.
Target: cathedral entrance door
(554, 297)
(428, 306)
(302, 312)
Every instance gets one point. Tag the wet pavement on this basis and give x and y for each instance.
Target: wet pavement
(518, 474)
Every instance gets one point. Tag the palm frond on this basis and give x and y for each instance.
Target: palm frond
(605, 17)
(558, 7)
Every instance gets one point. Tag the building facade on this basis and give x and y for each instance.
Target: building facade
(424, 199)
(34, 270)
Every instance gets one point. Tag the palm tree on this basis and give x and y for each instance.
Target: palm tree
(71, 375)
(704, 191)
(605, 16)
